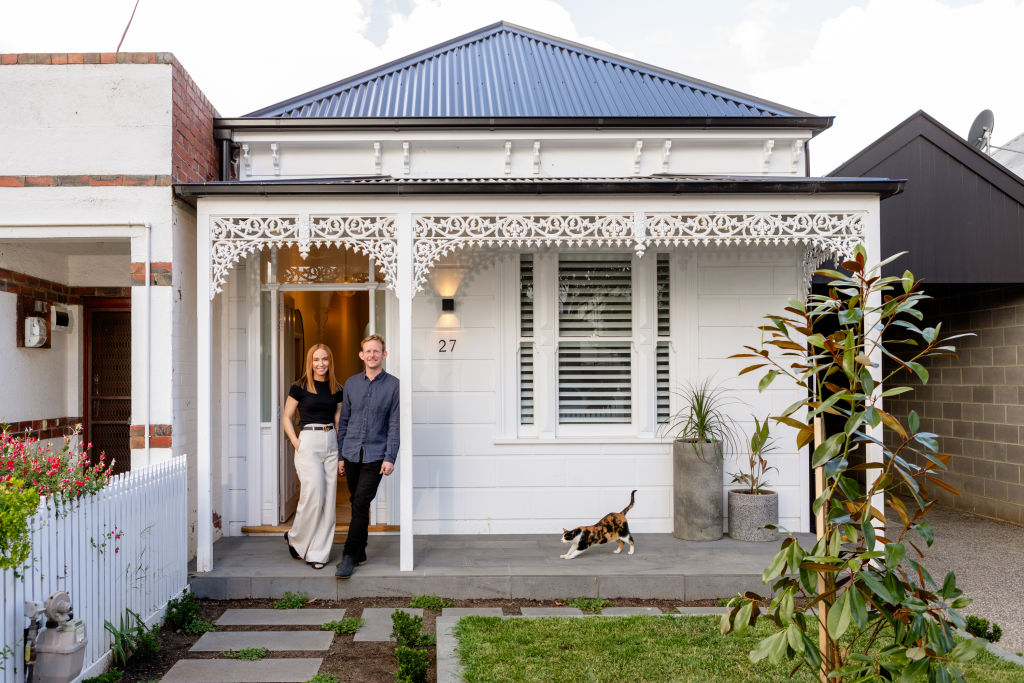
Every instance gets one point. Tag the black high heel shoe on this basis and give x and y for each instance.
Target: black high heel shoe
(295, 555)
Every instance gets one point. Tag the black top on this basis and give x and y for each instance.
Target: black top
(318, 408)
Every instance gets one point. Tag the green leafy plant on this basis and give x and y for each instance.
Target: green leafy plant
(412, 665)
(856, 581)
(432, 602)
(182, 611)
(17, 505)
(109, 676)
(131, 637)
(346, 625)
(324, 678)
(251, 654)
(198, 627)
(704, 416)
(761, 444)
(979, 626)
(594, 605)
(291, 600)
(407, 628)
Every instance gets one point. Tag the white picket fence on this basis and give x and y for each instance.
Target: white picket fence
(77, 549)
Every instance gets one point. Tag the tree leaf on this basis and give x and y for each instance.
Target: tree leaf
(827, 450)
(919, 370)
(775, 568)
(767, 380)
(967, 650)
(741, 621)
(913, 421)
(838, 617)
(894, 553)
(765, 647)
(877, 587)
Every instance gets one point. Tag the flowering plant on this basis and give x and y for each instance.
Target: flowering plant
(64, 474)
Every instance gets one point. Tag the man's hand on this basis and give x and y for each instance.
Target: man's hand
(386, 468)
(341, 467)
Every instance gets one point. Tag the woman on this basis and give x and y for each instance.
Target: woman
(317, 397)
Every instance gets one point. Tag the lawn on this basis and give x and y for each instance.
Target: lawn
(638, 648)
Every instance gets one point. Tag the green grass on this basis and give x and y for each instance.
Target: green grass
(251, 653)
(432, 602)
(346, 625)
(637, 648)
(291, 600)
(324, 678)
(594, 605)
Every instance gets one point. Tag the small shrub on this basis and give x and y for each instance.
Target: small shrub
(129, 639)
(324, 678)
(406, 628)
(432, 602)
(17, 505)
(979, 627)
(147, 642)
(291, 600)
(198, 627)
(182, 611)
(588, 604)
(111, 676)
(722, 602)
(412, 665)
(250, 653)
(346, 625)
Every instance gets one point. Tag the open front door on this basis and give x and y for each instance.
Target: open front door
(292, 354)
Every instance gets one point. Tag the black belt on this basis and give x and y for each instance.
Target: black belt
(318, 428)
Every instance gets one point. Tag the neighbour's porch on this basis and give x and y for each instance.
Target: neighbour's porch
(494, 566)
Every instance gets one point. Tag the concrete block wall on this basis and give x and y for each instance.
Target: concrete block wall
(975, 403)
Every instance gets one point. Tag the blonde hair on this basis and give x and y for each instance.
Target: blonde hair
(376, 338)
(307, 374)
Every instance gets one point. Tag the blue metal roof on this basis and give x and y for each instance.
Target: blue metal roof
(504, 70)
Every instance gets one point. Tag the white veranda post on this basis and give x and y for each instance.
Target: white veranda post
(405, 291)
(204, 402)
(873, 245)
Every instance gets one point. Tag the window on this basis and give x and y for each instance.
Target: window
(593, 343)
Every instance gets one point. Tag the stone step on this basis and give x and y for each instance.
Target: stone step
(377, 623)
(551, 611)
(279, 617)
(221, 641)
(471, 611)
(241, 671)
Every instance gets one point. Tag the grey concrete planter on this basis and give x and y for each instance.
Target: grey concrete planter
(749, 512)
(697, 491)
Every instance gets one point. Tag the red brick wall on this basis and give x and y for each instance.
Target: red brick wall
(50, 428)
(53, 292)
(196, 158)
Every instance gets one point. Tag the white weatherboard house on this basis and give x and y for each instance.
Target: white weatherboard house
(551, 238)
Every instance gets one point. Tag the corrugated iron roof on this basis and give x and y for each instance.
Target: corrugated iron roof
(505, 70)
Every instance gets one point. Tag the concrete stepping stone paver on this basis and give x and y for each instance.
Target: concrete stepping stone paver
(241, 671)
(471, 611)
(551, 611)
(628, 611)
(220, 641)
(703, 611)
(279, 617)
(377, 623)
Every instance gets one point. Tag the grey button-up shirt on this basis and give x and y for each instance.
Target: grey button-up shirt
(369, 418)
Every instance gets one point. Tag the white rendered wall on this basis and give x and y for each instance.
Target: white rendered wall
(89, 118)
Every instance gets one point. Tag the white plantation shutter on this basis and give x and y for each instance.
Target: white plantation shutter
(526, 339)
(662, 350)
(594, 303)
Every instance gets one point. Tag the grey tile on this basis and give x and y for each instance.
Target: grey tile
(219, 641)
(279, 617)
(723, 585)
(240, 671)
(449, 669)
(551, 587)
(471, 611)
(377, 625)
(654, 586)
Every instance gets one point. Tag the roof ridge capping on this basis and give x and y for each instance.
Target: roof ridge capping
(710, 100)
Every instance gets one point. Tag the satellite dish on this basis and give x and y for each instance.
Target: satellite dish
(981, 130)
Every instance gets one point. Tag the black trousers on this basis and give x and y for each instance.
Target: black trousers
(363, 479)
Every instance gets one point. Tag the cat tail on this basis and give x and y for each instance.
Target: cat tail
(632, 498)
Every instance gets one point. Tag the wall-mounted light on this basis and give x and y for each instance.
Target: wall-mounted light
(447, 305)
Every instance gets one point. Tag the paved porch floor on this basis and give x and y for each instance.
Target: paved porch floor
(493, 566)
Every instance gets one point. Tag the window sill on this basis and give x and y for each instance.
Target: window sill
(573, 439)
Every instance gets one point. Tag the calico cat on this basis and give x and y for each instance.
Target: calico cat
(612, 527)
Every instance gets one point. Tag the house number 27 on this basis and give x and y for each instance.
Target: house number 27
(446, 346)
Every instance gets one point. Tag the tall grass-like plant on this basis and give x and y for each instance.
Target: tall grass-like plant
(858, 605)
(703, 417)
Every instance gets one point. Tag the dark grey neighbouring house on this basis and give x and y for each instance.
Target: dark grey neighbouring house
(961, 218)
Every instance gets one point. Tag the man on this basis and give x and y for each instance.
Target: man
(367, 443)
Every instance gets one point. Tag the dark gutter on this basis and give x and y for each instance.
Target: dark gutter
(797, 186)
(815, 123)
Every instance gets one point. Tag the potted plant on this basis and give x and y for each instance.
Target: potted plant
(701, 431)
(753, 509)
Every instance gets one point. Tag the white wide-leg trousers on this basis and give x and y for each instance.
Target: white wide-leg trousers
(316, 463)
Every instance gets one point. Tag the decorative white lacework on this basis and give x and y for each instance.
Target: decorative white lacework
(829, 234)
(438, 236)
(234, 237)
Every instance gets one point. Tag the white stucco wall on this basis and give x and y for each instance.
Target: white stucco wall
(87, 118)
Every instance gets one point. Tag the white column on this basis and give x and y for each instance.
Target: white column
(204, 398)
(405, 294)
(873, 453)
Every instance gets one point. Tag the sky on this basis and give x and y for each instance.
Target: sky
(868, 63)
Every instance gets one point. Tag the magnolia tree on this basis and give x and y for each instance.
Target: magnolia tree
(858, 605)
